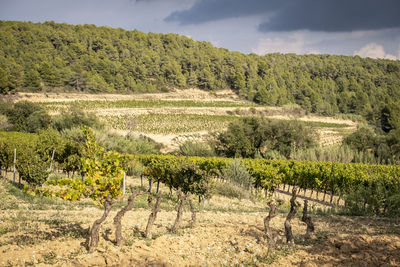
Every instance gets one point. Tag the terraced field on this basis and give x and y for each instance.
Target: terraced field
(166, 117)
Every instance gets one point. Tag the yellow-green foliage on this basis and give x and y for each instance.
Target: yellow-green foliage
(103, 173)
(325, 176)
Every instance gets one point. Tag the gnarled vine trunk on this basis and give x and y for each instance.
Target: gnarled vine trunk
(93, 237)
(307, 220)
(181, 199)
(272, 213)
(153, 215)
(192, 210)
(294, 206)
(120, 214)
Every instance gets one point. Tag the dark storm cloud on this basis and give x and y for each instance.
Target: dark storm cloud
(335, 15)
(210, 10)
(290, 15)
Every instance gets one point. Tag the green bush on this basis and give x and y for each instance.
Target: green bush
(14, 140)
(230, 190)
(34, 153)
(252, 137)
(361, 140)
(74, 117)
(27, 117)
(49, 140)
(128, 144)
(236, 172)
(373, 147)
(195, 148)
(32, 168)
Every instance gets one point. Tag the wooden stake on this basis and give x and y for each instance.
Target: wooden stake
(15, 161)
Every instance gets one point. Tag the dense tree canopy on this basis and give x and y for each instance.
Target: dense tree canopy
(60, 57)
(257, 137)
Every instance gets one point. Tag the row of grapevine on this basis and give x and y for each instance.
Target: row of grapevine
(193, 174)
(268, 174)
(106, 104)
(35, 153)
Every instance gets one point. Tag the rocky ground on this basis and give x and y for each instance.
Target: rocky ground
(229, 232)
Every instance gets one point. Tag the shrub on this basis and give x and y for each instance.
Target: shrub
(74, 134)
(74, 117)
(230, 190)
(27, 117)
(49, 140)
(128, 144)
(134, 168)
(4, 124)
(237, 173)
(195, 148)
(361, 140)
(34, 153)
(32, 168)
(273, 154)
(252, 136)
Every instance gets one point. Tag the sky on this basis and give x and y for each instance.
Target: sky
(368, 28)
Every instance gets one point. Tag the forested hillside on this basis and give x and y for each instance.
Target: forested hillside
(61, 57)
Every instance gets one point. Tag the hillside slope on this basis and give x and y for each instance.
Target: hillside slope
(60, 57)
(173, 117)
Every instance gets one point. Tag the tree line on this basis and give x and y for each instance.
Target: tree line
(60, 57)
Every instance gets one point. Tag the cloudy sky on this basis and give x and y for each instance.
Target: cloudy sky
(369, 28)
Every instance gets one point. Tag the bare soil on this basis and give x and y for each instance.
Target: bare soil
(229, 232)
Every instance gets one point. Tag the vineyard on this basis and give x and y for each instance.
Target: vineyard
(165, 117)
(96, 104)
(181, 181)
(185, 210)
(336, 178)
(124, 148)
(47, 231)
(170, 123)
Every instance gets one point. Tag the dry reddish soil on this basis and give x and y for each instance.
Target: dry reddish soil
(229, 232)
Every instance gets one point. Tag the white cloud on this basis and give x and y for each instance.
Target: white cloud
(374, 50)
